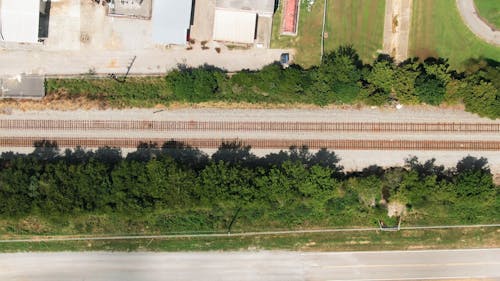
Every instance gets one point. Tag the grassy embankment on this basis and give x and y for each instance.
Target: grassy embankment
(490, 11)
(438, 30)
(342, 241)
(356, 22)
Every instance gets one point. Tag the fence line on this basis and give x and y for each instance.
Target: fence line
(234, 234)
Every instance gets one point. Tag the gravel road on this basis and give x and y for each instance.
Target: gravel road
(406, 114)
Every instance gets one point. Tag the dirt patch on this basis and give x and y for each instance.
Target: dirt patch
(425, 53)
(58, 101)
(32, 225)
(395, 209)
(397, 28)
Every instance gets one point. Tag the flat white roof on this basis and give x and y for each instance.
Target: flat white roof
(261, 7)
(234, 26)
(19, 20)
(171, 20)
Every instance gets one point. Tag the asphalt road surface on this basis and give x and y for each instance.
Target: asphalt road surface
(289, 266)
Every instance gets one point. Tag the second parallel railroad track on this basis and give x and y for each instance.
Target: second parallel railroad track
(347, 144)
(272, 126)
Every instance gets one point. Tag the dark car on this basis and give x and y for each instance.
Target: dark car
(284, 58)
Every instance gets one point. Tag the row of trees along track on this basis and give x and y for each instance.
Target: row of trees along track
(162, 190)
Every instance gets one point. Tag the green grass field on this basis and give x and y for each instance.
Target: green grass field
(490, 11)
(438, 30)
(307, 43)
(356, 22)
(340, 241)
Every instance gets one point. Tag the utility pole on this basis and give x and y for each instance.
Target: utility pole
(233, 220)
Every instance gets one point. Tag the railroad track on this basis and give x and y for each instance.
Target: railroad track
(88, 125)
(266, 143)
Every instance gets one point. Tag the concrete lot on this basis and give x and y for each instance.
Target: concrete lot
(84, 25)
(271, 266)
(147, 62)
(264, 30)
(83, 38)
(203, 22)
(64, 26)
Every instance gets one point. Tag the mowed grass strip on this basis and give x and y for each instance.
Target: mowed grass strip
(347, 241)
(307, 43)
(356, 22)
(438, 30)
(490, 11)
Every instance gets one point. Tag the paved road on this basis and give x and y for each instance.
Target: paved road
(99, 266)
(476, 24)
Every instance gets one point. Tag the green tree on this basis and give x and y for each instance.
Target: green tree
(404, 83)
(429, 89)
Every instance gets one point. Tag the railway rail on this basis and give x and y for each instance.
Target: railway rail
(347, 144)
(88, 125)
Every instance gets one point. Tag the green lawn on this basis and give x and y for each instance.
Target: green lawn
(356, 22)
(490, 11)
(307, 43)
(438, 30)
(340, 241)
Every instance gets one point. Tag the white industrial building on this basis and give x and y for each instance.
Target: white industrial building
(234, 26)
(171, 21)
(243, 21)
(19, 20)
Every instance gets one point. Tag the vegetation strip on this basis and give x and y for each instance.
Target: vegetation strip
(247, 126)
(437, 30)
(341, 78)
(235, 234)
(179, 189)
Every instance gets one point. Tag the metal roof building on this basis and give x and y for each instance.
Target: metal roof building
(22, 86)
(244, 21)
(261, 7)
(171, 21)
(234, 26)
(19, 20)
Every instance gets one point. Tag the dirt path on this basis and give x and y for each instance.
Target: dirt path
(472, 19)
(397, 28)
